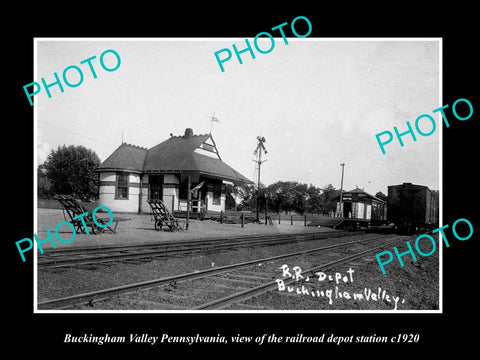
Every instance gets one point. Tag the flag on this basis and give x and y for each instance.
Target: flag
(213, 119)
(198, 186)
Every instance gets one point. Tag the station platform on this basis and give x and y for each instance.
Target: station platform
(340, 223)
(139, 229)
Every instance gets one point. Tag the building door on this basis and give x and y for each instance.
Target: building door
(347, 209)
(155, 187)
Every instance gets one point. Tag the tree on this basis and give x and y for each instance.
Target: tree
(314, 204)
(245, 194)
(71, 171)
(294, 196)
(232, 193)
(330, 196)
(281, 196)
(291, 196)
(300, 197)
(44, 186)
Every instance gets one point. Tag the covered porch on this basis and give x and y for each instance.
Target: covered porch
(205, 193)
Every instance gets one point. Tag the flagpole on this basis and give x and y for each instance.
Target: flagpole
(213, 118)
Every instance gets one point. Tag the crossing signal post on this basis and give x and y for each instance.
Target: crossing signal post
(258, 153)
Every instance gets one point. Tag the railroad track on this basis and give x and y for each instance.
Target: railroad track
(94, 255)
(206, 289)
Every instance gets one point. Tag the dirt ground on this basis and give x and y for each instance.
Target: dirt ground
(416, 284)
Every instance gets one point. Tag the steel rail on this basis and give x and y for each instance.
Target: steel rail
(183, 242)
(262, 289)
(64, 262)
(103, 294)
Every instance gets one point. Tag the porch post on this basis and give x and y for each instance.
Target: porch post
(140, 195)
(189, 198)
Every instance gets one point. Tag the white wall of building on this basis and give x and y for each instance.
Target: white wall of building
(145, 205)
(108, 176)
(170, 194)
(360, 214)
(211, 206)
(107, 193)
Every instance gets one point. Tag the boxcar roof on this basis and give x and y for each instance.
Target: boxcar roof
(408, 186)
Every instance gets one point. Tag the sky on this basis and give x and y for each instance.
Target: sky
(318, 102)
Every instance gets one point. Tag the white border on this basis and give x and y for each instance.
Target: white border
(35, 202)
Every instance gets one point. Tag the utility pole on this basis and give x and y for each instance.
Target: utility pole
(258, 152)
(341, 188)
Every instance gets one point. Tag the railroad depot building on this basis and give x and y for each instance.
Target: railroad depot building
(132, 175)
(359, 204)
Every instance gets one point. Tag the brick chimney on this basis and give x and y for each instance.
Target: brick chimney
(188, 133)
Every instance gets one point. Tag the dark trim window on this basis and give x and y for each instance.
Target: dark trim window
(121, 189)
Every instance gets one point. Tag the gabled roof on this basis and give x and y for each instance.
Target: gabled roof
(217, 168)
(175, 154)
(125, 157)
(362, 193)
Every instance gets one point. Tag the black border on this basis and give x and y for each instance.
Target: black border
(44, 332)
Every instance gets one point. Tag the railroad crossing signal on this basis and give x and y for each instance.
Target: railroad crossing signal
(258, 153)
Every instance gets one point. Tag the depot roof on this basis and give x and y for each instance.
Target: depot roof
(360, 193)
(176, 154)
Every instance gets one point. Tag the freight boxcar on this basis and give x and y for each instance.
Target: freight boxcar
(412, 208)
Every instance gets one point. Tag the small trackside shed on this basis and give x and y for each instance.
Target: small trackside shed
(412, 206)
(358, 204)
(132, 175)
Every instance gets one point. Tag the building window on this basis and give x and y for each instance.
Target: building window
(217, 193)
(121, 191)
